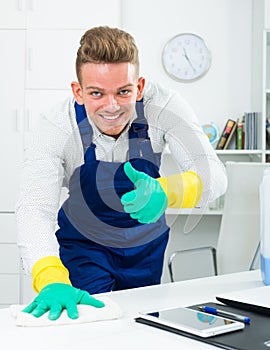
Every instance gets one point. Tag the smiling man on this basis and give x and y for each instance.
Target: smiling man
(108, 105)
(104, 144)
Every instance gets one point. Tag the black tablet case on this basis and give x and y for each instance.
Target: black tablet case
(255, 336)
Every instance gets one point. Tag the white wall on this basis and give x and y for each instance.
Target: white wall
(225, 91)
(226, 26)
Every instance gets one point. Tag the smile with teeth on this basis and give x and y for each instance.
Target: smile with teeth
(110, 117)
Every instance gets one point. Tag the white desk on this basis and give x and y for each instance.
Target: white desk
(125, 333)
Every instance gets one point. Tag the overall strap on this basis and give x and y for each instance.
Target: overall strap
(85, 128)
(139, 141)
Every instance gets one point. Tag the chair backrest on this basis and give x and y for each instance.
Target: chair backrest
(240, 225)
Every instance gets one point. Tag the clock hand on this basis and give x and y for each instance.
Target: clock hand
(187, 58)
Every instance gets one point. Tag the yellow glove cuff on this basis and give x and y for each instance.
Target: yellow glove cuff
(183, 190)
(49, 270)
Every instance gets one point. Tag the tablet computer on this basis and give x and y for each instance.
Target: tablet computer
(189, 321)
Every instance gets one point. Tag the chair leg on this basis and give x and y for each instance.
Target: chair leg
(214, 254)
(255, 258)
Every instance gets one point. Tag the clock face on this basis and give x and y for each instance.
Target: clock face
(186, 57)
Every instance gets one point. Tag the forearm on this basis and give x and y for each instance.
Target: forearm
(35, 235)
(36, 214)
(39, 248)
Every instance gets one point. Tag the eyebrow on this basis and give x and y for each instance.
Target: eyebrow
(101, 89)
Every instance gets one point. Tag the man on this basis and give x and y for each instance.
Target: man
(105, 145)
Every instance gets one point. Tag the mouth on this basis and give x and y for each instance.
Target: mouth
(111, 117)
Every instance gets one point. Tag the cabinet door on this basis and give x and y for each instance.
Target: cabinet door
(9, 259)
(12, 65)
(7, 228)
(267, 14)
(9, 289)
(9, 252)
(38, 102)
(51, 56)
(77, 14)
(12, 14)
(27, 293)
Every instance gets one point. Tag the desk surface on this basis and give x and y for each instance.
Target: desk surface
(125, 333)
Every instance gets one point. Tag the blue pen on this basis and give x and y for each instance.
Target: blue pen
(213, 311)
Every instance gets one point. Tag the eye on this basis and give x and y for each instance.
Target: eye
(96, 93)
(123, 92)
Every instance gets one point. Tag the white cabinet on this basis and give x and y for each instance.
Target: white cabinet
(7, 228)
(70, 14)
(39, 42)
(267, 14)
(12, 14)
(38, 102)
(9, 290)
(9, 261)
(9, 253)
(51, 56)
(59, 14)
(12, 65)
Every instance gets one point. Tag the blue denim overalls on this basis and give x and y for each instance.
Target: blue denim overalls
(103, 248)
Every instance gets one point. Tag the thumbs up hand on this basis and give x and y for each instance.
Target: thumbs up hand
(147, 202)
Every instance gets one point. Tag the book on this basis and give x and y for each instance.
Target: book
(251, 121)
(240, 133)
(268, 131)
(226, 134)
(243, 132)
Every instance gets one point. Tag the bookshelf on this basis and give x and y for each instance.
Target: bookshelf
(261, 70)
(260, 86)
(260, 89)
(260, 100)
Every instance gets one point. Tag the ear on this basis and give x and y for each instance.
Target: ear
(140, 88)
(77, 92)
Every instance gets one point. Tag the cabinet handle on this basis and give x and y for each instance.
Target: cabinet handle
(20, 5)
(30, 5)
(18, 120)
(29, 59)
(27, 120)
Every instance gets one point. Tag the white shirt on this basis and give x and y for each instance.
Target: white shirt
(56, 150)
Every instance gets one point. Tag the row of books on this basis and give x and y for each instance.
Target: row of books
(240, 133)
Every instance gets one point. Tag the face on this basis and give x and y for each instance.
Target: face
(109, 92)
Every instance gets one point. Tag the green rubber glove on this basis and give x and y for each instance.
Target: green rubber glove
(58, 296)
(147, 202)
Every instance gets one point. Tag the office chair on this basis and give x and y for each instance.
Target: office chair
(238, 242)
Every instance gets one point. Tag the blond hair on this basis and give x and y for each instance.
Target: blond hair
(106, 45)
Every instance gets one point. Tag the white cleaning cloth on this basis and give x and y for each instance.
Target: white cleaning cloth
(87, 313)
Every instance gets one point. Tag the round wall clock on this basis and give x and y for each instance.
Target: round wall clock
(186, 57)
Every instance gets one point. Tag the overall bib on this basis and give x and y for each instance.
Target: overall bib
(103, 248)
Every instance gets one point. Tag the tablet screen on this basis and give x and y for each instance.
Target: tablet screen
(190, 318)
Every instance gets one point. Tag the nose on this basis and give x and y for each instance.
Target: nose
(111, 104)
